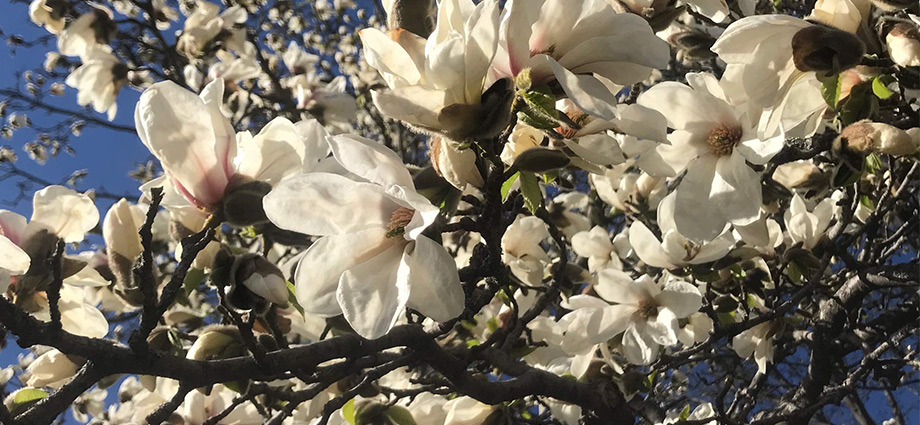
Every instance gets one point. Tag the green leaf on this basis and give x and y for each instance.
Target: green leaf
(27, 395)
(848, 172)
(193, 278)
(830, 89)
(858, 105)
(550, 176)
(292, 299)
(400, 416)
(470, 343)
(530, 188)
(684, 413)
(880, 86)
(873, 163)
(539, 108)
(867, 202)
(348, 411)
(506, 186)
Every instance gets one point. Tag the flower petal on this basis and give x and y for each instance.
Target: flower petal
(370, 160)
(372, 295)
(434, 284)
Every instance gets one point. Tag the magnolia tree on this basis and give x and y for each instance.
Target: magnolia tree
(503, 212)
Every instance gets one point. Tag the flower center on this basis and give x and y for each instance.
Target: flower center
(723, 138)
(648, 308)
(578, 117)
(398, 221)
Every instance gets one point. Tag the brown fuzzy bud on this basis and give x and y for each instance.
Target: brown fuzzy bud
(541, 160)
(826, 49)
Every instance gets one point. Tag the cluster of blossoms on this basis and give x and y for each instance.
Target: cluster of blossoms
(587, 199)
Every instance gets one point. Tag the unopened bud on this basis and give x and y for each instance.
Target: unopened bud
(904, 44)
(541, 160)
(457, 166)
(217, 342)
(242, 202)
(465, 122)
(416, 16)
(821, 48)
(866, 137)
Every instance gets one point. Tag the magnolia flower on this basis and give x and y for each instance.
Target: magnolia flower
(298, 61)
(372, 261)
(523, 137)
(574, 44)
(163, 14)
(466, 411)
(330, 104)
(437, 84)
(51, 369)
(772, 63)
(45, 15)
(696, 330)
(644, 311)
(457, 166)
(99, 79)
(203, 158)
(674, 250)
(628, 191)
(521, 249)
(594, 145)
(758, 342)
(233, 69)
(596, 246)
(903, 42)
(713, 141)
(806, 226)
(204, 24)
(86, 33)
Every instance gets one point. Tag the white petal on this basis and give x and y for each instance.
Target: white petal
(647, 246)
(370, 160)
(736, 190)
(638, 348)
(680, 297)
(372, 295)
(593, 326)
(434, 284)
(13, 259)
(64, 212)
(699, 219)
(587, 92)
(323, 263)
(327, 204)
(617, 287)
(663, 329)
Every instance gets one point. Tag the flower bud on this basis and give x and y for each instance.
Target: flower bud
(217, 342)
(457, 166)
(867, 137)
(249, 280)
(123, 244)
(242, 202)
(821, 48)
(416, 16)
(904, 44)
(541, 160)
(802, 173)
(52, 369)
(692, 46)
(463, 122)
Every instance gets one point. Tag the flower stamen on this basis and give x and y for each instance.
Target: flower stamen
(648, 308)
(723, 139)
(398, 221)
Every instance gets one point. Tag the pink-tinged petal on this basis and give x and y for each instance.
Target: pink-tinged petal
(434, 284)
(13, 260)
(370, 160)
(372, 295)
(177, 127)
(13, 226)
(328, 204)
(323, 263)
(516, 27)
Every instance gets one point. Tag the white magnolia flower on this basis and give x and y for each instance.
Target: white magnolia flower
(521, 249)
(329, 103)
(99, 79)
(644, 311)
(46, 16)
(82, 36)
(523, 137)
(466, 411)
(457, 166)
(596, 246)
(202, 155)
(772, 61)
(595, 145)
(204, 24)
(120, 227)
(696, 330)
(235, 68)
(372, 261)
(437, 84)
(758, 342)
(574, 44)
(51, 369)
(628, 191)
(674, 250)
(163, 14)
(299, 61)
(806, 226)
(713, 141)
